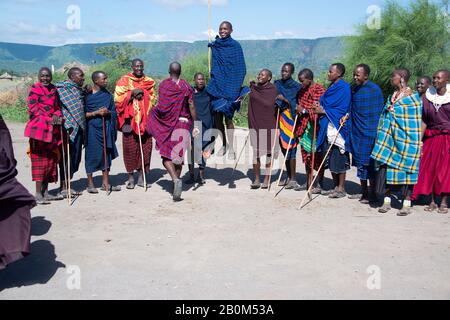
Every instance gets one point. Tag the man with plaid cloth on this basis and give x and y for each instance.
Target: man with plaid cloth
(72, 105)
(367, 106)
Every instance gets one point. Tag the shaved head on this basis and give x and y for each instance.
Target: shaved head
(446, 73)
(175, 68)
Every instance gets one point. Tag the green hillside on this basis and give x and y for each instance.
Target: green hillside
(316, 54)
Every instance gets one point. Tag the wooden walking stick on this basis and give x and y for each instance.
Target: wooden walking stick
(138, 121)
(69, 191)
(63, 147)
(209, 36)
(239, 158)
(107, 188)
(273, 148)
(287, 153)
(313, 150)
(324, 160)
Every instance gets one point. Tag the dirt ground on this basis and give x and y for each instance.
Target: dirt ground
(224, 242)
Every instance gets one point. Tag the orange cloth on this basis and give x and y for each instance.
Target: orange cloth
(127, 108)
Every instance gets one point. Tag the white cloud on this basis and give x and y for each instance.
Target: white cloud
(177, 4)
(142, 36)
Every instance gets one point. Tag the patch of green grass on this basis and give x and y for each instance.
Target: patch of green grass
(15, 113)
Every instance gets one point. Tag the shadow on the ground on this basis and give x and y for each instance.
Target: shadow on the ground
(38, 268)
(40, 226)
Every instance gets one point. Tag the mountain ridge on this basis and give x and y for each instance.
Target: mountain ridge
(316, 54)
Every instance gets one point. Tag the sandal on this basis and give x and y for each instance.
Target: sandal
(42, 201)
(292, 185)
(405, 211)
(355, 196)
(337, 195)
(316, 191)
(302, 187)
(111, 188)
(327, 192)
(130, 185)
(443, 210)
(255, 186)
(432, 207)
(92, 190)
(51, 198)
(264, 186)
(73, 194)
(385, 208)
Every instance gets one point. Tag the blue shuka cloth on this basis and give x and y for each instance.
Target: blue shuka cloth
(336, 102)
(202, 103)
(367, 106)
(228, 70)
(94, 146)
(289, 89)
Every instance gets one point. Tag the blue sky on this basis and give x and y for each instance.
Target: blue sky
(45, 21)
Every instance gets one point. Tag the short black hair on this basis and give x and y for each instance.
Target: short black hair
(307, 73)
(72, 72)
(340, 67)
(45, 69)
(96, 75)
(429, 80)
(228, 23)
(404, 73)
(365, 67)
(290, 65)
(133, 63)
(198, 74)
(268, 71)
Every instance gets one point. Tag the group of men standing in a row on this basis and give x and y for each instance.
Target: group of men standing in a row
(329, 125)
(388, 142)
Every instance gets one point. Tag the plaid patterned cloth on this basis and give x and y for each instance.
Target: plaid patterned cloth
(43, 162)
(398, 140)
(306, 98)
(366, 108)
(43, 104)
(228, 70)
(72, 101)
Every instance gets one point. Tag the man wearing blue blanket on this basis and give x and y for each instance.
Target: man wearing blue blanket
(228, 72)
(334, 105)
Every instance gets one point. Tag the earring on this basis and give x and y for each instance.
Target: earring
(403, 82)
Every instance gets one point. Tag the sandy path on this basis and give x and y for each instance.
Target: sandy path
(223, 243)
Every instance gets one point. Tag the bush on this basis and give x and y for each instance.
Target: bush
(17, 112)
(414, 37)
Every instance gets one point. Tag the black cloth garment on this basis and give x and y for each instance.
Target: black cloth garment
(15, 205)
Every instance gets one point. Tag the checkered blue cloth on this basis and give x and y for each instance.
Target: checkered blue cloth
(367, 106)
(228, 70)
(72, 100)
(398, 140)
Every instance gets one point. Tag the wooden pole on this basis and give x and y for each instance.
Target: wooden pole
(273, 148)
(209, 37)
(324, 160)
(138, 121)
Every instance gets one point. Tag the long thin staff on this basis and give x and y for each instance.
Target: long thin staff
(324, 160)
(69, 191)
(239, 158)
(108, 189)
(273, 149)
(138, 121)
(287, 153)
(209, 36)
(63, 147)
(313, 160)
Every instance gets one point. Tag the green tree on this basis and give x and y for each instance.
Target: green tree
(194, 64)
(121, 54)
(414, 37)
